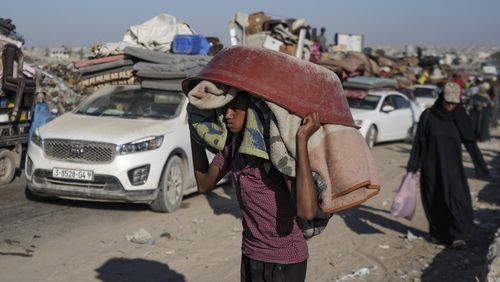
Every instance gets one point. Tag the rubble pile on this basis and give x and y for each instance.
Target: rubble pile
(58, 84)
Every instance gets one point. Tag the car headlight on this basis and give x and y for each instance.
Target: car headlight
(141, 145)
(36, 139)
(358, 122)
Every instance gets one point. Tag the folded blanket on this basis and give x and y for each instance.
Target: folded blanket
(162, 57)
(127, 69)
(96, 61)
(124, 76)
(161, 75)
(338, 153)
(105, 66)
(145, 66)
(167, 74)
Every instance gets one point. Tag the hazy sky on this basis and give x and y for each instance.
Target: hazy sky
(450, 23)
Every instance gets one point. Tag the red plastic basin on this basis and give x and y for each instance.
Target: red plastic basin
(296, 85)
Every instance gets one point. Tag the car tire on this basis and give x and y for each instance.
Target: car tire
(171, 188)
(7, 166)
(371, 136)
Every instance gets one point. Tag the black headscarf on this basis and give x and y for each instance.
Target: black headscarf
(458, 116)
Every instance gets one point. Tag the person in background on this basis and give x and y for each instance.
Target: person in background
(480, 111)
(322, 40)
(437, 153)
(315, 52)
(474, 87)
(273, 245)
(494, 99)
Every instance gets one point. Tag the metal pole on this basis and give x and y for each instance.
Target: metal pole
(300, 47)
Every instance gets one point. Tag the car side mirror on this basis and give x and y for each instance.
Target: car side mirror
(387, 108)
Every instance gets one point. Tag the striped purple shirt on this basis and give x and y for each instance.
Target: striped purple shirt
(270, 229)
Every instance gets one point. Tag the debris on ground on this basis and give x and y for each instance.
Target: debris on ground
(140, 236)
(359, 273)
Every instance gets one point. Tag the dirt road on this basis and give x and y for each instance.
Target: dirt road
(63, 240)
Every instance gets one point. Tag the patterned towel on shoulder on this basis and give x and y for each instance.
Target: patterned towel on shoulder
(206, 120)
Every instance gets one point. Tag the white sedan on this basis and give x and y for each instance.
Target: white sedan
(124, 143)
(425, 95)
(384, 115)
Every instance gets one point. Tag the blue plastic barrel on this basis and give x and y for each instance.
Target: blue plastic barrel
(190, 44)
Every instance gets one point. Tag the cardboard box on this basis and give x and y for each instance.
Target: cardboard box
(257, 18)
(288, 49)
(255, 21)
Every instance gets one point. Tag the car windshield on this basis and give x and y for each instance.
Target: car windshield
(424, 92)
(134, 103)
(370, 102)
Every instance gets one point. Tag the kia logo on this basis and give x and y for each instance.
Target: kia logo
(76, 152)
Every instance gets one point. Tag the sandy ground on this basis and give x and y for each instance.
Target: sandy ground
(62, 240)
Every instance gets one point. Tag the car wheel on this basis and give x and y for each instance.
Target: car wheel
(371, 136)
(171, 188)
(7, 166)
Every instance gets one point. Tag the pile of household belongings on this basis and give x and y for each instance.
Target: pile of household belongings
(342, 163)
(142, 57)
(17, 83)
(8, 33)
(260, 30)
(352, 63)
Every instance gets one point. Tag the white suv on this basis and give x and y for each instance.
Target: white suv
(124, 143)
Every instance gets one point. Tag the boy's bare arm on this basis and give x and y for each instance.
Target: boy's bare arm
(206, 175)
(305, 186)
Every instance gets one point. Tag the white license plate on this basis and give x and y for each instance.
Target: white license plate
(73, 174)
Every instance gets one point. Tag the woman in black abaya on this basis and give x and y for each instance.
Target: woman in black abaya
(437, 152)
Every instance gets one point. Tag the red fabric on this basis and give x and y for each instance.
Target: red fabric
(461, 85)
(279, 78)
(99, 61)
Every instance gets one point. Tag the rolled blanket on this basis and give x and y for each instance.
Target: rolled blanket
(206, 119)
(338, 153)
